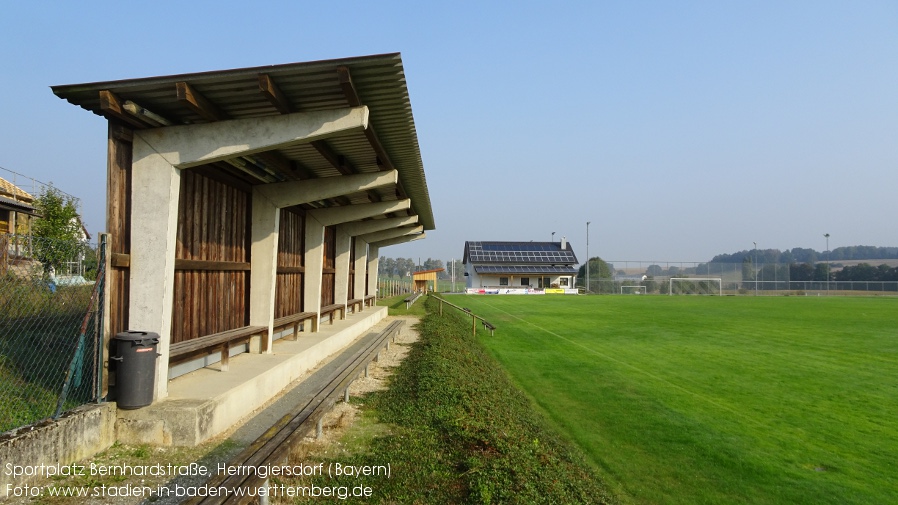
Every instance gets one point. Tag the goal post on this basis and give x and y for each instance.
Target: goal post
(697, 287)
(638, 290)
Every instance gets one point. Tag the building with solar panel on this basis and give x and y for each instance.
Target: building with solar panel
(520, 267)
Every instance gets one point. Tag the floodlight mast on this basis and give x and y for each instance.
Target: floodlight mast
(587, 256)
(827, 262)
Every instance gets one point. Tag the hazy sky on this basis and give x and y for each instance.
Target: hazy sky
(679, 129)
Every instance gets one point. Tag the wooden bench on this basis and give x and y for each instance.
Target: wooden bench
(370, 300)
(294, 320)
(356, 304)
(489, 326)
(220, 341)
(330, 309)
(411, 299)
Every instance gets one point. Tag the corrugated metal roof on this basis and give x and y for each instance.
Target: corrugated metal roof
(377, 82)
(17, 206)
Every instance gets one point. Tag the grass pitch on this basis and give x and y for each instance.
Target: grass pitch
(714, 399)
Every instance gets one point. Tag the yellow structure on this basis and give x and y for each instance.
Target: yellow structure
(423, 277)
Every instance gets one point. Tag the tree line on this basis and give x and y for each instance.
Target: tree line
(405, 267)
(803, 255)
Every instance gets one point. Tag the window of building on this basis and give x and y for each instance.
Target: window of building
(503, 281)
(563, 281)
(525, 281)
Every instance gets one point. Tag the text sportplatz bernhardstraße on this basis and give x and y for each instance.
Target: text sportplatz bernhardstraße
(331, 470)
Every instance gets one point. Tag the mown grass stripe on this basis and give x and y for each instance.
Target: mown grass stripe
(715, 400)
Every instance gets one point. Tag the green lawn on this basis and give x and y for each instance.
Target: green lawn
(714, 400)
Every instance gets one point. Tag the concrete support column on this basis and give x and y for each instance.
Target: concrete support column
(341, 267)
(373, 258)
(361, 266)
(155, 192)
(263, 267)
(314, 267)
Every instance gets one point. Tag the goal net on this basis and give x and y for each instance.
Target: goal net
(635, 290)
(695, 286)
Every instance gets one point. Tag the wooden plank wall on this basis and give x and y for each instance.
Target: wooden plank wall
(118, 219)
(328, 277)
(288, 295)
(212, 285)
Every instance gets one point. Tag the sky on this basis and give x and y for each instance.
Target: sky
(678, 130)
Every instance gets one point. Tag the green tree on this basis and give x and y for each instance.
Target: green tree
(598, 269)
(58, 231)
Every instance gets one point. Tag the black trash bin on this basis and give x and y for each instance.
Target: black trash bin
(135, 368)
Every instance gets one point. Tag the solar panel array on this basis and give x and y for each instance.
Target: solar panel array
(520, 252)
(519, 269)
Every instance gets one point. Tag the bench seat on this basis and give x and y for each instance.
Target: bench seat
(294, 320)
(330, 309)
(412, 298)
(220, 341)
(357, 304)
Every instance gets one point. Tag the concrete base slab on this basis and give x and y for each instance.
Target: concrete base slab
(207, 402)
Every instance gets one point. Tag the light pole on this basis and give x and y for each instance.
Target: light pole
(827, 262)
(553, 237)
(587, 256)
(756, 268)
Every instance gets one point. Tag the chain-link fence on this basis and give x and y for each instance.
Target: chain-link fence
(50, 328)
(819, 279)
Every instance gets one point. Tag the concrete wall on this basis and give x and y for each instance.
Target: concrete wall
(82, 433)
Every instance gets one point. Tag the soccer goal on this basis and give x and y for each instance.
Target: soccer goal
(695, 286)
(635, 290)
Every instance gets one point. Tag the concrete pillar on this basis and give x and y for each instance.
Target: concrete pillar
(373, 251)
(361, 266)
(154, 225)
(341, 268)
(263, 266)
(314, 268)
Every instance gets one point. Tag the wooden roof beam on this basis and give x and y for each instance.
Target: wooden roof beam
(111, 106)
(193, 99)
(352, 96)
(338, 162)
(273, 94)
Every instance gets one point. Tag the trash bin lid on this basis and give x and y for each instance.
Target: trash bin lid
(135, 336)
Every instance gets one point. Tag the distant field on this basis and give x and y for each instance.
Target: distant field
(714, 400)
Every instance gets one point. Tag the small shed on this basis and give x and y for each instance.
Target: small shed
(423, 277)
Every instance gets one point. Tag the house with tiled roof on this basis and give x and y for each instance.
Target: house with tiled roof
(520, 267)
(16, 208)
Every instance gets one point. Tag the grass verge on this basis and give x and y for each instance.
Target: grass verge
(458, 431)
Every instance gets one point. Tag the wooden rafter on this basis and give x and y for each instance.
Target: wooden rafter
(338, 162)
(111, 106)
(273, 94)
(198, 103)
(352, 97)
(348, 88)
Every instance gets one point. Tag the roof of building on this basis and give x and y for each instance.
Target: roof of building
(16, 193)
(17, 206)
(378, 82)
(519, 253)
(432, 271)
